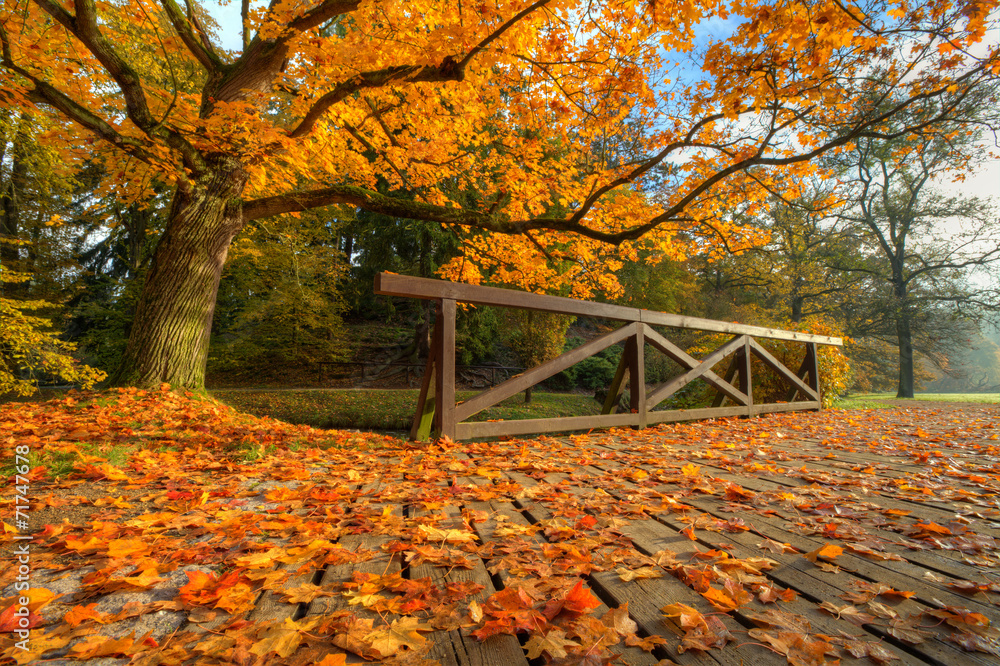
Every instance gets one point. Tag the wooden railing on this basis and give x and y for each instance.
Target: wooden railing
(437, 410)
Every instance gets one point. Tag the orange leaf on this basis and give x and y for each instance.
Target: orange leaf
(720, 599)
(824, 552)
(79, 614)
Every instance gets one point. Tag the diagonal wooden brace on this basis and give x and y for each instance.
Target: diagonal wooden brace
(522, 381)
(694, 366)
(783, 371)
(702, 368)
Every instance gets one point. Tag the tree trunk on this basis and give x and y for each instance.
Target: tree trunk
(797, 309)
(905, 339)
(173, 319)
(11, 200)
(527, 395)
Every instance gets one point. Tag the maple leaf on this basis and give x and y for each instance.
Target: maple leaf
(686, 615)
(776, 547)
(848, 612)
(646, 644)
(228, 592)
(554, 644)
(450, 536)
(973, 641)
(720, 599)
(773, 617)
(871, 649)
(907, 630)
(619, 620)
(79, 614)
(629, 575)
(770, 593)
(711, 634)
(94, 647)
(282, 639)
(146, 579)
(126, 547)
(824, 552)
(333, 660)
(405, 631)
(366, 595)
(10, 621)
(304, 593)
(475, 611)
(882, 611)
(577, 601)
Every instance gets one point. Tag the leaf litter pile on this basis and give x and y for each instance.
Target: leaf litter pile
(169, 529)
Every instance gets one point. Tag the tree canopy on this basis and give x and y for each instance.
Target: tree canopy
(545, 133)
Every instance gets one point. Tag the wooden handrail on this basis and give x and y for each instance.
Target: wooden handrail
(437, 409)
(390, 284)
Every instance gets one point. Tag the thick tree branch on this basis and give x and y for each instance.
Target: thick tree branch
(376, 202)
(199, 46)
(446, 71)
(262, 59)
(449, 69)
(85, 26)
(45, 93)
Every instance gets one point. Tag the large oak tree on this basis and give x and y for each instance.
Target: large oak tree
(403, 108)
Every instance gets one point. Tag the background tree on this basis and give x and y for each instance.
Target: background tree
(535, 337)
(294, 120)
(279, 303)
(922, 270)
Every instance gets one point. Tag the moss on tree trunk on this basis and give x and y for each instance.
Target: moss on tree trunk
(173, 319)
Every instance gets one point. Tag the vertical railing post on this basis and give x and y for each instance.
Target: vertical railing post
(446, 368)
(427, 414)
(637, 371)
(746, 378)
(615, 389)
(812, 363)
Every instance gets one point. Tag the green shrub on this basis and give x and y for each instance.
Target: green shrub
(595, 372)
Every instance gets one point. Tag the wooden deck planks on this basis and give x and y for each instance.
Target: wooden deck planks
(655, 510)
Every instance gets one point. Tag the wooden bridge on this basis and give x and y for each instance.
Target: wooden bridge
(438, 411)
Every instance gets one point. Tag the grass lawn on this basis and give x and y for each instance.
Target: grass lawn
(877, 400)
(385, 409)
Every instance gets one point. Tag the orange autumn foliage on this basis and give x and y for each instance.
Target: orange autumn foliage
(556, 137)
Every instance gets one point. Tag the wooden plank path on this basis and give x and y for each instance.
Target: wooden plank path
(670, 525)
(834, 537)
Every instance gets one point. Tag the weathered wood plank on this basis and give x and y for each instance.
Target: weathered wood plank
(646, 598)
(423, 417)
(632, 656)
(561, 424)
(915, 561)
(816, 585)
(458, 648)
(446, 369)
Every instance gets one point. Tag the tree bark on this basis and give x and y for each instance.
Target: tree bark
(904, 337)
(11, 202)
(797, 309)
(173, 319)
